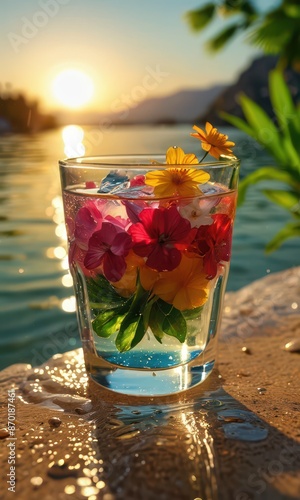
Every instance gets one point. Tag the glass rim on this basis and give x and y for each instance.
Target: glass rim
(146, 161)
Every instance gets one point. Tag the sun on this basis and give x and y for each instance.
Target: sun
(73, 88)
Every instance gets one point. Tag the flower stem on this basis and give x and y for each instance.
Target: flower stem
(205, 155)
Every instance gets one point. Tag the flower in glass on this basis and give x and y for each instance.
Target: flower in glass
(213, 243)
(186, 287)
(108, 247)
(160, 236)
(177, 181)
(198, 211)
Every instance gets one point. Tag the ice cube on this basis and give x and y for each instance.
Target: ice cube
(114, 179)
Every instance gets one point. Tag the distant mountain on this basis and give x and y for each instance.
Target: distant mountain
(175, 108)
(254, 83)
(180, 107)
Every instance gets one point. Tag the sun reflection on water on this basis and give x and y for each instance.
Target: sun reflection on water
(56, 212)
(72, 136)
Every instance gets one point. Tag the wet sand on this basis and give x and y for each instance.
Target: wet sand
(235, 437)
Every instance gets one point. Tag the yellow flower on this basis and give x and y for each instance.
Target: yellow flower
(215, 143)
(177, 181)
(185, 287)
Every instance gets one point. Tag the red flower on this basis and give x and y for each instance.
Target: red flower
(160, 235)
(213, 243)
(109, 246)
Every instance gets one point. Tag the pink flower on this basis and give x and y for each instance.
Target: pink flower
(88, 220)
(160, 235)
(213, 243)
(108, 247)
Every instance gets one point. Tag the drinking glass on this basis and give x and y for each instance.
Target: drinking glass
(149, 270)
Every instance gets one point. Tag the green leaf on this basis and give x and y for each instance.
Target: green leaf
(282, 100)
(192, 313)
(266, 132)
(155, 322)
(108, 321)
(131, 332)
(273, 33)
(291, 230)
(199, 18)
(222, 38)
(174, 323)
(238, 123)
(102, 294)
(292, 161)
(284, 108)
(134, 324)
(285, 199)
(265, 174)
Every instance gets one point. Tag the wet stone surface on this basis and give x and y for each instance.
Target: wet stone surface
(234, 437)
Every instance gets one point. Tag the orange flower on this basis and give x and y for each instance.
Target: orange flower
(185, 287)
(213, 142)
(126, 286)
(148, 277)
(177, 181)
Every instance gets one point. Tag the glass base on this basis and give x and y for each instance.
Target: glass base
(151, 383)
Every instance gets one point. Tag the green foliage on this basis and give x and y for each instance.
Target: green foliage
(283, 143)
(101, 294)
(199, 18)
(291, 230)
(131, 319)
(219, 41)
(275, 31)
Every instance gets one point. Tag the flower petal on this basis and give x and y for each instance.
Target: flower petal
(175, 156)
(113, 266)
(121, 244)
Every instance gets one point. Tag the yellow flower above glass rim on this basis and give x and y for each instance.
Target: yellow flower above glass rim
(177, 181)
(185, 287)
(212, 141)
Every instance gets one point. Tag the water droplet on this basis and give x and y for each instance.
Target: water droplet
(88, 491)
(61, 471)
(84, 481)
(54, 422)
(36, 481)
(246, 350)
(70, 489)
(232, 419)
(242, 425)
(128, 435)
(245, 431)
(293, 346)
(261, 390)
(80, 411)
(4, 433)
(100, 485)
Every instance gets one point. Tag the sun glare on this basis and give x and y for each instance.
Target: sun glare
(73, 88)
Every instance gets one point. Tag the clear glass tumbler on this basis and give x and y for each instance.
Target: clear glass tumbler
(149, 267)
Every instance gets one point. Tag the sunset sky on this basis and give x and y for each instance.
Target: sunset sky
(116, 46)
